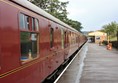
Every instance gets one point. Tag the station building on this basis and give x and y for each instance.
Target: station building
(97, 36)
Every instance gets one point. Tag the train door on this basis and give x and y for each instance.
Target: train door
(65, 39)
(53, 49)
(66, 44)
(78, 40)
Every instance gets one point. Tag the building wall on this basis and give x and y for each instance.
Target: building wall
(99, 36)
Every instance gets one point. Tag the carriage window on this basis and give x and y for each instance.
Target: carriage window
(36, 24)
(34, 44)
(62, 38)
(33, 24)
(51, 37)
(28, 45)
(25, 42)
(24, 21)
(29, 39)
(27, 18)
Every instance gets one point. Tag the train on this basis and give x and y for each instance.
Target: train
(33, 43)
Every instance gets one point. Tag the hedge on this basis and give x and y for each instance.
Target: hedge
(114, 43)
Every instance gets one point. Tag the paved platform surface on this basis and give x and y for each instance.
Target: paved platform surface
(99, 66)
(73, 72)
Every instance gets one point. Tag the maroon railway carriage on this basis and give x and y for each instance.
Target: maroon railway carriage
(32, 42)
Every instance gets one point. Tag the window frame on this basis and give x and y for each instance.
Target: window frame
(31, 31)
(24, 20)
(51, 37)
(62, 38)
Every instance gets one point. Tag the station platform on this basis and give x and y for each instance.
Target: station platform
(94, 64)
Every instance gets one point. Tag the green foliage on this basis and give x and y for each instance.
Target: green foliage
(57, 9)
(113, 39)
(54, 7)
(40, 3)
(74, 24)
(111, 29)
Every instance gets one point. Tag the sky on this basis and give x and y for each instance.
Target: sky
(93, 14)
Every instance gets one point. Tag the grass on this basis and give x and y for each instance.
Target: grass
(113, 39)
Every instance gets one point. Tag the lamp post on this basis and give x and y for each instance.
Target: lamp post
(107, 37)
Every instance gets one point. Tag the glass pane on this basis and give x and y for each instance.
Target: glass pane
(28, 45)
(37, 24)
(22, 21)
(27, 22)
(62, 38)
(33, 24)
(25, 45)
(34, 38)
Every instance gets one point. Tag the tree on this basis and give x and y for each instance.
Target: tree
(41, 3)
(54, 7)
(111, 29)
(57, 9)
(74, 24)
(116, 31)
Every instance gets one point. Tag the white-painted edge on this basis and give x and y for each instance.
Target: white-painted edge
(81, 66)
(69, 64)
